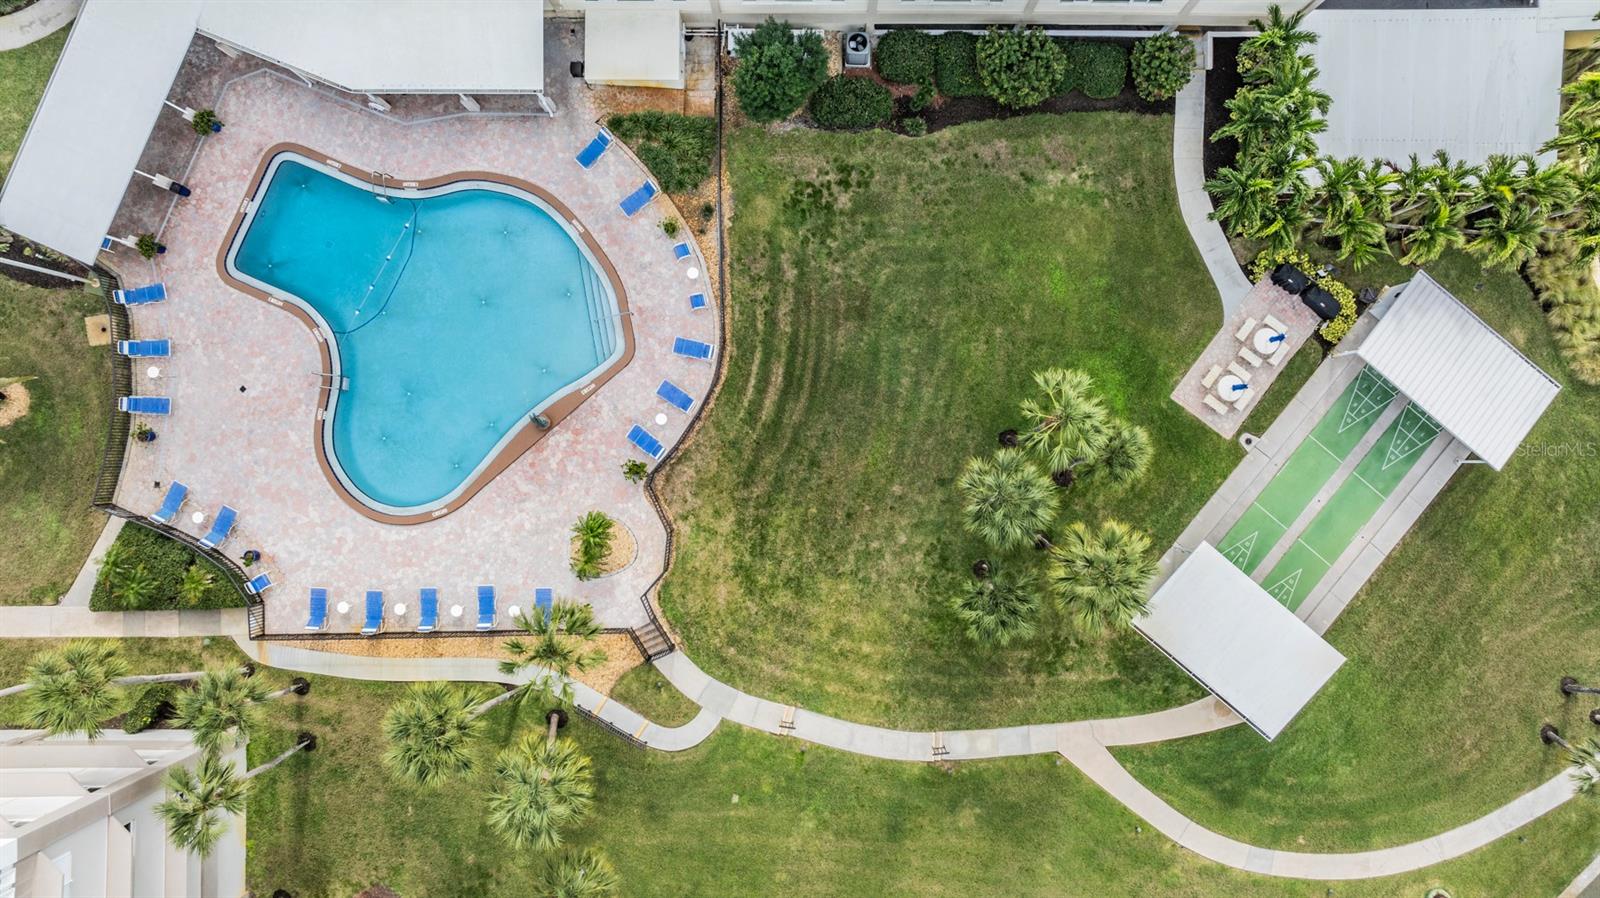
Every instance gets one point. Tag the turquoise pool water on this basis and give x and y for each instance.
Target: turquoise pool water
(456, 313)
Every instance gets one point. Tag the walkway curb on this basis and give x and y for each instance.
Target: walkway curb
(37, 22)
(1188, 172)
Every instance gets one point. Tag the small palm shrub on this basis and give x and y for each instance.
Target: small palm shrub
(152, 702)
(205, 122)
(1020, 68)
(1102, 577)
(915, 125)
(148, 246)
(1000, 609)
(593, 533)
(905, 56)
(777, 70)
(1162, 65)
(955, 65)
(1097, 68)
(634, 470)
(843, 103)
(676, 148)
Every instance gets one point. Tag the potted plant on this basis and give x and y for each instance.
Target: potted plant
(669, 226)
(250, 556)
(634, 470)
(149, 246)
(205, 122)
(144, 434)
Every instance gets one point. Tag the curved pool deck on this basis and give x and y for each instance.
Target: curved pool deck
(512, 439)
(245, 378)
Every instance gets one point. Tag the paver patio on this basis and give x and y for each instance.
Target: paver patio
(243, 376)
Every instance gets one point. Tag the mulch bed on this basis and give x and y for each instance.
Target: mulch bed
(1222, 82)
(948, 111)
(34, 278)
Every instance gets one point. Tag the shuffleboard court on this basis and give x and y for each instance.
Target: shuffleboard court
(1351, 506)
(1315, 460)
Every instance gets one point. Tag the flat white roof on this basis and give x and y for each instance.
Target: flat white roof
(1235, 639)
(1471, 82)
(1458, 369)
(404, 46)
(640, 47)
(86, 136)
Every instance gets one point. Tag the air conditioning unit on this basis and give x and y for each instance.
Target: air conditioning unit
(857, 49)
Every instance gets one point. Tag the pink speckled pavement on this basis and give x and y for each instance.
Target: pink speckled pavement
(254, 449)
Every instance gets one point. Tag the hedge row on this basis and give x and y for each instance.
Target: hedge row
(955, 65)
(1098, 69)
(905, 57)
(843, 103)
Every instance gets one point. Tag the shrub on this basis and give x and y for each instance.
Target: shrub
(905, 57)
(165, 563)
(148, 245)
(1162, 65)
(152, 704)
(915, 126)
(955, 65)
(777, 70)
(843, 103)
(205, 122)
(669, 226)
(676, 148)
(1021, 67)
(922, 99)
(1097, 68)
(593, 533)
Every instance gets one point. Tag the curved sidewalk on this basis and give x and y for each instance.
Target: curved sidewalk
(36, 22)
(1188, 172)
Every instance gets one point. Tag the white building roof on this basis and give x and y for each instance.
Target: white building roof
(1468, 81)
(98, 109)
(1458, 369)
(1235, 639)
(640, 47)
(400, 46)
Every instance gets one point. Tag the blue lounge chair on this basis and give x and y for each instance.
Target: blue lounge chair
(638, 199)
(145, 405)
(429, 617)
(170, 506)
(596, 148)
(647, 444)
(675, 396)
(486, 607)
(258, 584)
(145, 349)
(544, 599)
(140, 296)
(692, 349)
(220, 528)
(681, 251)
(318, 616)
(697, 301)
(374, 621)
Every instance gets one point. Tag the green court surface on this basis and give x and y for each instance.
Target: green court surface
(1316, 459)
(1351, 506)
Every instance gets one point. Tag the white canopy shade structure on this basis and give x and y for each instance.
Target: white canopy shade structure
(1457, 369)
(1471, 82)
(634, 47)
(398, 46)
(97, 113)
(1228, 633)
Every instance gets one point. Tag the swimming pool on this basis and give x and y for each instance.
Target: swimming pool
(454, 313)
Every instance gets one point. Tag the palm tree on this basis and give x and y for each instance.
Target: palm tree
(430, 731)
(559, 646)
(1006, 499)
(224, 707)
(1507, 236)
(1067, 424)
(73, 688)
(199, 797)
(1102, 577)
(1126, 454)
(1277, 37)
(134, 587)
(578, 874)
(998, 609)
(540, 787)
(196, 581)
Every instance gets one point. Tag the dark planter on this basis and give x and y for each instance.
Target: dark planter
(300, 685)
(981, 569)
(251, 556)
(309, 739)
(1548, 734)
(560, 715)
(1041, 541)
(1008, 438)
(216, 127)
(1566, 685)
(146, 436)
(1064, 478)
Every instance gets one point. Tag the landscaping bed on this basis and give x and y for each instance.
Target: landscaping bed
(1222, 82)
(165, 562)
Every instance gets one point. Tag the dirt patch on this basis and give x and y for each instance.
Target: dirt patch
(13, 402)
(623, 550)
(621, 653)
(1222, 82)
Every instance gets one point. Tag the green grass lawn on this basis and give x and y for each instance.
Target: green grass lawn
(890, 299)
(807, 821)
(645, 690)
(48, 460)
(24, 72)
(1455, 647)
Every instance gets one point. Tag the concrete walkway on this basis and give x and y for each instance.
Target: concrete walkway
(82, 588)
(1188, 171)
(62, 621)
(37, 22)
